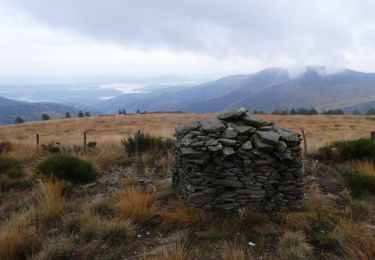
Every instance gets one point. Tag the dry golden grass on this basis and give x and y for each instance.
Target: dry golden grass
(135, 203)
(179, 214)
(19, 236)
(110, 130)
(358, 242)
(365, 167)
(50, 199)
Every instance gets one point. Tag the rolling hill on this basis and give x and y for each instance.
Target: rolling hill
(266, 90)
(10, 109)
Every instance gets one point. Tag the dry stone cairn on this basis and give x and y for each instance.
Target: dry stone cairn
(236, 160)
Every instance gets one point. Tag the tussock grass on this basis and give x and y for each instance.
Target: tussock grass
(112, 230)
(181, 215)
(50, 199)
(358, 242)
(174, 251)
(57, 250)
(19, 236)
(293, 245)
(135, 203)
(115, 230)
(233, 252)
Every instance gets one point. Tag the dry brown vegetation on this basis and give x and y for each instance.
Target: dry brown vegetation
(108, 131)
(129, 211)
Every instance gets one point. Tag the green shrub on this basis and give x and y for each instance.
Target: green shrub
(10, 166)
(348, 150)
(358, 182)
(140, 143)
(67, 167)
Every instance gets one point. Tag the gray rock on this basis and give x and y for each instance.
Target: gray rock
(288, 135)
(265, 128)
(269, 136)
(230, 183)
(190, 153)
(229, 142)
(247, 146)
(199, 198)
(243, 129)
(228, 151)
(184, 129)
(203, 138)
(251, 121)
(215, 148)
(259, 144)
(230, 133)
(187, 140)
(233, 114)
(211, 142)
(198, 144)
(212, 125)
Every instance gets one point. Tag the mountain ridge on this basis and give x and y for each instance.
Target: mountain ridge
(29, 111)
(266, 90)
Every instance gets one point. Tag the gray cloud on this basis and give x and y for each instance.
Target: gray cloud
(299, 29)
(174, 36)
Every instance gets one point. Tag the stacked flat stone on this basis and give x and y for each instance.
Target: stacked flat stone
(236, 160)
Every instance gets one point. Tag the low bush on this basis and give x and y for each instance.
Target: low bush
(140, 143)
(10, 166)
(67, 167)
(360, 149)
(358, 180)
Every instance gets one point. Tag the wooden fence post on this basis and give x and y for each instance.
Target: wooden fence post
(304, 141)
(373, 136)
(84, 140)
(37, 141)
(137, 142)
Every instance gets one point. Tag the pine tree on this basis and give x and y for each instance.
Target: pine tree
(45, 117)
(19, 120)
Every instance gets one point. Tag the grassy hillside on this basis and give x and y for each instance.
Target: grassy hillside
(118, 206)
(105, 130)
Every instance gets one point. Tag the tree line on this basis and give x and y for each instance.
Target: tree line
(44, 116)
(313, 111)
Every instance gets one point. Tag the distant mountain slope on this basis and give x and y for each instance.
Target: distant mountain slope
(10, 109)
(266, 90)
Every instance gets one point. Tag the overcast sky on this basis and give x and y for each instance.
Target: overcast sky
(81, 38)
